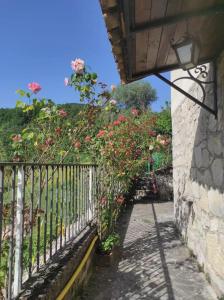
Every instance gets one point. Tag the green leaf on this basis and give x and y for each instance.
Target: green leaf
(20, 104)
(87, 77)
(28, 108)
(21, 93)
(94, 76)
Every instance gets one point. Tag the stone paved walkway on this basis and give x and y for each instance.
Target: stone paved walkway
(151, 264)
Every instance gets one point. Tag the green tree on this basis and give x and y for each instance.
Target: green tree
(138, 94)
(164, 123)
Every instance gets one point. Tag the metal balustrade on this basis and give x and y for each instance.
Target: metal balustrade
(42, 207)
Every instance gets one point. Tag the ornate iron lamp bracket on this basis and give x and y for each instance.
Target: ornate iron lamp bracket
(199, 76)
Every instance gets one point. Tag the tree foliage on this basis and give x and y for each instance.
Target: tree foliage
(164, 123)
(137, 94)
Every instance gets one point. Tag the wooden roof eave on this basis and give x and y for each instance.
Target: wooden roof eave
(116, 33)
(122, 30)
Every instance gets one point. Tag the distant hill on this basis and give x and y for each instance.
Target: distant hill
(13, 120)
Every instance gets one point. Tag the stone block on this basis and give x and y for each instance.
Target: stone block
(195, 190)
(215, 144)
(203, 201)
(217, 172)
(216, 203)
(214, 254)
(214, 225)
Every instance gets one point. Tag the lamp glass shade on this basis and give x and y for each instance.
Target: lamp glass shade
(187, 53)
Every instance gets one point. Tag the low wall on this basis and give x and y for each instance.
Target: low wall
(198, 175)
(65, 275)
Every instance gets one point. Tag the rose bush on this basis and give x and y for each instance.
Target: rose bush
(120, 142)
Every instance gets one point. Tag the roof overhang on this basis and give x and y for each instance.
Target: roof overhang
(141, 32)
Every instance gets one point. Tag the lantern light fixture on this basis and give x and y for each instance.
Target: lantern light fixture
(187, 52)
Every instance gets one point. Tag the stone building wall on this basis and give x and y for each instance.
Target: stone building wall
(198, 174)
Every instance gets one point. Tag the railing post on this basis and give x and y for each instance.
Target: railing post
(1, 207)
(19, 233)
(90, 205)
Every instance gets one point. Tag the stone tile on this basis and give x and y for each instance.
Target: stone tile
(152, 262)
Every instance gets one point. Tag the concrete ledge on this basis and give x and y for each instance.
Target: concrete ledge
(53, 277)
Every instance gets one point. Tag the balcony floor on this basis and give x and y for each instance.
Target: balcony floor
(151, 262)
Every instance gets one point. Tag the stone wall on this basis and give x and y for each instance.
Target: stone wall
(53, 277)
(198, 175)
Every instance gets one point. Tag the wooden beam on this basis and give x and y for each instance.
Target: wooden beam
(167, 68)
(217, 9)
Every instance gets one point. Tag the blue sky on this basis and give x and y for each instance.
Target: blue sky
(39, 39)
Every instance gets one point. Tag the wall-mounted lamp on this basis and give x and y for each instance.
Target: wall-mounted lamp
(187, 51)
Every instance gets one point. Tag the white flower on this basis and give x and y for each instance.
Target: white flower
(113, 102)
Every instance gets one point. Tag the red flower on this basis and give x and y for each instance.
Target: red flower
(58, 130)
(120, 199)
(116, 123)
(151, 160)
(62, 113)
(138, 152)
(122, 118)
(88, 138)
(77, 144)
(101, 133)
(152, 133)
(16, 158)
(135, 112)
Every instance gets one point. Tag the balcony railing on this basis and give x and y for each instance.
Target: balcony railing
(42, 207)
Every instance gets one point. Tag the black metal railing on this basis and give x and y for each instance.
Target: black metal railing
(42, 207)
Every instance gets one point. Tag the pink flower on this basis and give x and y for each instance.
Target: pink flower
(88, 138)
(116, 123)
(103, 200)
(17, 138)
(101, 133)
(152, 133)
(135, 112)
(49, 142)
(78, 65)
(62, 113)
(111, 133)
(159, 137)
(34, 87)
(66, 81)
(162, 140)
(122, 118)
(113, 102)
